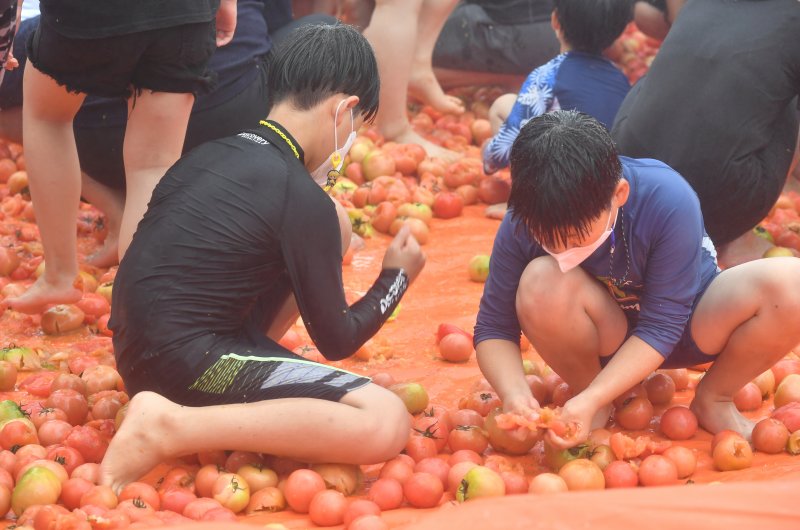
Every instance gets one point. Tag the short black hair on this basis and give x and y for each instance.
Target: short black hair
(591, 26)
(319, 60)
(564, 170)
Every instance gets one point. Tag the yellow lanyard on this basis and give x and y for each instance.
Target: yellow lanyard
(280, 133)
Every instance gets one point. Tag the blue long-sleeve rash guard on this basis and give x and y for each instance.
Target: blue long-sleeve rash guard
(672, 260)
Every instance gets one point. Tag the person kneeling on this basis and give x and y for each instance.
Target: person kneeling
(604, 264)
(238, 238)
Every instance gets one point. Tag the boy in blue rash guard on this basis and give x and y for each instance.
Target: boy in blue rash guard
(580, 78)
(604, 264)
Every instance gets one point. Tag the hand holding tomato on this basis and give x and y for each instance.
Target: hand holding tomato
(576, 417)
(405, 253)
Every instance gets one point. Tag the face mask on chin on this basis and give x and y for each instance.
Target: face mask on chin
(571, 258)
(327, 173)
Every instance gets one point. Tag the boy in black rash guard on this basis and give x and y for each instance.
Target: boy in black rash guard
(236, 233)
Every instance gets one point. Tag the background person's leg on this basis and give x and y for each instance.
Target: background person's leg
(153, 142)
(55, 183)
(111, 202)
(393, 32)
(750, 314)
(423, 84)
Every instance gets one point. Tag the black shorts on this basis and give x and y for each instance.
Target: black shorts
(686, 352)
(163, 60)
(201, 378)
(472, 41)
(100, 144)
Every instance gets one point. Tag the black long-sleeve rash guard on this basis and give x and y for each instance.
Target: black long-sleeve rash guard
(232, 229)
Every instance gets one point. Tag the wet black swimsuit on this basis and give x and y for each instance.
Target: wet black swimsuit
(233, 229)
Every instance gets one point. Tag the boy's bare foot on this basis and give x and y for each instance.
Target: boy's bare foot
(746, 248)
(423, 86)
(718, 414)
(139, 445)
(433, 150)
(107, 255)
(496, 211)
(43, 293)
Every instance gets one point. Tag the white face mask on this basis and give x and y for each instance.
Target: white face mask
(571, 258)
(326, 174)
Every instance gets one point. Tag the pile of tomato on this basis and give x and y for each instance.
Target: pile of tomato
(782, 225)
(634, 52)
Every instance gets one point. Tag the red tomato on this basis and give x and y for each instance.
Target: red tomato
(8, 376)
(136, 509)
(446, 329)
(73, 490)
(465, 417)
(106, 408)
(359, 508)
(300, 488)
(770, 436)
(513, 442)
(468, 437)
(93, 306)
(176, 499)
(40, 415)
(657, 470)
(196, 509)
(238, 459)
(38, 384)
(140, 490)
(660, 389)
(101, 377)
(72, 402)
(789, 415)
(17, 433)
(88, 442)
(69, 381)
(748, 398)
(88, 471)
(582, 474)
(205, 478)
(62, 318)
(100, 496)
(482, 402)
(679, 423)
(177, 477)
(620, 474)
(327, 508)
(547, 483)
(66, 456)
(387, 493)
(419, 447)
(258, 477)
(447, 204)
(465, 455)
(423, 490)
(635, 414)
(54, 432)
(435, 466)
(431, 427)
(79, 363)
(456, 348)
(384, 216)
(494, 190)
(731, 451)
(266, 500)
(683, 458)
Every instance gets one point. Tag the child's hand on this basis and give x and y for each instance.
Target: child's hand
(525, 405)
(577, 417)
(11, 61)
(226, 22)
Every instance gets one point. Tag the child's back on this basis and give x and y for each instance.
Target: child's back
(580, 78)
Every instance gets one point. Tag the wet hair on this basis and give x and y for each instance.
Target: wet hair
(591, 26)
(319, 60)
(564, 171)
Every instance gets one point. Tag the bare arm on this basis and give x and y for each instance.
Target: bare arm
(501, 364)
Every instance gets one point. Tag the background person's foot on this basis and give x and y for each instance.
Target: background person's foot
(41, 294)
(716, 415)
(424, 87)
(433, 150)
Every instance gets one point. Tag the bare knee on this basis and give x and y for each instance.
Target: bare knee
(386, 425)
(543, 289)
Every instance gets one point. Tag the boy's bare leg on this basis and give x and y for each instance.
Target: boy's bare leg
(153, 142)
(572, 321)
(55, 183)
(391, 32)
(423, 84)
(369, 425)
(111, 202)
(751, 314)
(288, 313)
